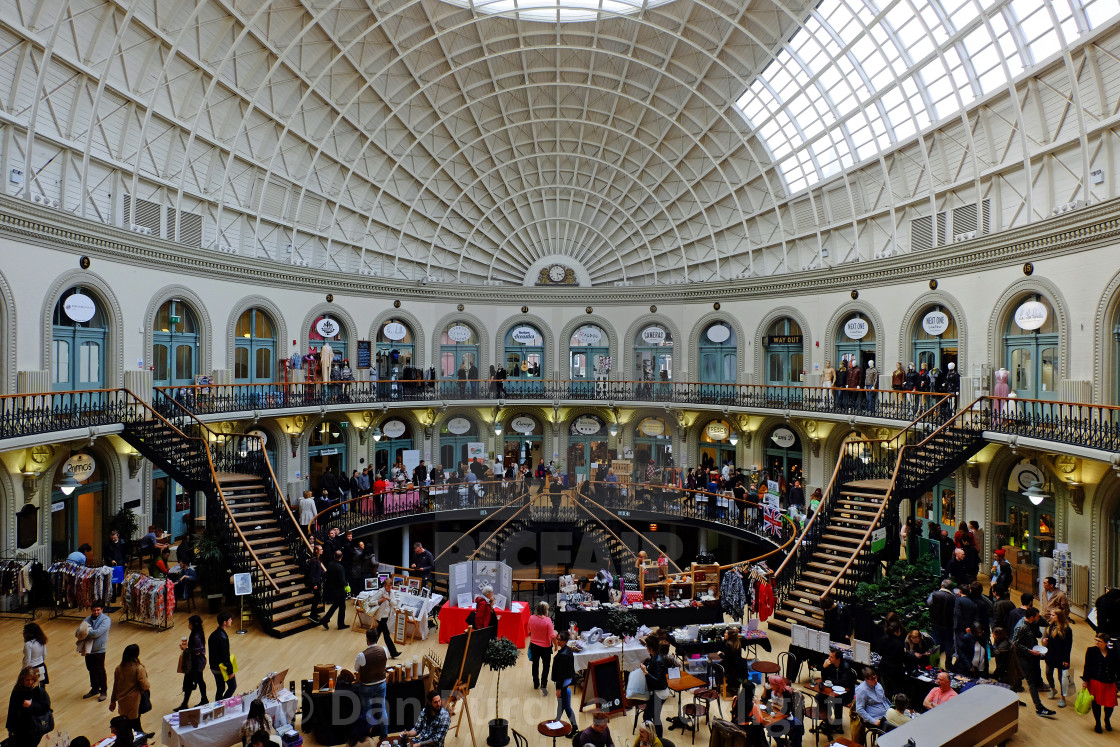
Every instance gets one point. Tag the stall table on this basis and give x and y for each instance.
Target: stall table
(669, 617)
(634, 654)
(512, 624)
(223, 732)
(329, 713)
(750, 638)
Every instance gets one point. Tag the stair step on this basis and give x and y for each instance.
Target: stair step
(835, 548)
(283, 567)
(835, 567)
(857, 494)
(841, 538)
(242, 496)
(262, 512)
(858, 531)
(267, 549)
(249, 533)
(812, 622)
(853, 512)
(300, 623)
(289, 602)
(812, 585)
(286, 580)
(817, 574)
(250, 505)
(846, 502)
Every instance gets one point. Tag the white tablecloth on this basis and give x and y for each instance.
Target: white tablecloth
(635, 654)
(223, 732)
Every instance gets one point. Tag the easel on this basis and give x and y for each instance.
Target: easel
(460, 692)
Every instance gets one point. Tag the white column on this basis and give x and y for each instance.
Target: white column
(405, 546)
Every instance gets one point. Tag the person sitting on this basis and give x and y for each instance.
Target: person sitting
(919, 647)
(940, 692)
(483, 615)
(837, 671)
(260, 739)
(257, 721)
(871, 704)
(646, 736)
(747, 715)
(596, 735)
(782, 699)
(431, 728)
(161, 567)
(79, 556)
(121, 728)
(897, 715)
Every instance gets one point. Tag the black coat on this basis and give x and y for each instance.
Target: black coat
(941, 605)
(1099, 667)
(964, 614)
(116, 552)
(219, 649)
(563, 665)
(21, 721)
(334, 583)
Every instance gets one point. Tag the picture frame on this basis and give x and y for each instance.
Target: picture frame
(414, 585)
(426, 592)
(371, 584)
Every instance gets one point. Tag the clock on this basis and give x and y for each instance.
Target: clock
(557, 273)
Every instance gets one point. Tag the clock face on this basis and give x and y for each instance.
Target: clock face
(556, 273)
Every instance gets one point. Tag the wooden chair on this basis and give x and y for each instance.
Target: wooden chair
(639, 705)
(708, 695)
(871, 739)
(790, 666)
(519, 739)
(694, 712)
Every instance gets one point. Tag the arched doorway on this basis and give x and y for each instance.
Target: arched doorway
(459, 440)
(714, 445)
(254, 348)
(855, 341)
(175, 345)
(458, 358)
(653, 442)
(1029, 526)
(328, 330)
(783, 459)
(589, 359)
(935, 339)
(653, 361)
(79, 337)
(524, 441)
(79, 515)
(524, 360)
(938, 504)
(327, 448)
(785, 352)
(719, 359)
(396, 438)
(394, 355)
(1030, 343)
(588, 448)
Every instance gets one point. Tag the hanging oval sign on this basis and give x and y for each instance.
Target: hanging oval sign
(718, 333)
(80, 466)
(717, 431)
(523, 424)
(79, 308)
(397, 428)
(589, 336)
(394, 331)
(856, 328)
(524, 335)
(1031, 315)
(652, 427)
(935, 323)
(327, 327)
(783, 437)
(586, 426)
(458, 426)
(654, 335)
(459, 333)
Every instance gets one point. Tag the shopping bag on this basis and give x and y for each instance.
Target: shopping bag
(1084, 702)
(228, 673)
(636, 688)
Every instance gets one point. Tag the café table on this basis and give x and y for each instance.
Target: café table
(765, 667)
(547, 729)
(685, 682)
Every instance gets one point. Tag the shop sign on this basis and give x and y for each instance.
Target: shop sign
(589, 336)
(718, 333)
(935, 323)
(326, 452)
(523, 424)
(394, 331)
(586, 426)
(783, 340)
(783, 437)
(259, 434)
(393, 428)
(652, 427)
(1031, 315)
(81, 466)
(717, 431)
(79, 308)
(1022, 475)
(653, 335)
(60, 505)
(328, 328)
(524, 335)
(458, 426)
(459, 333)
(856, 328)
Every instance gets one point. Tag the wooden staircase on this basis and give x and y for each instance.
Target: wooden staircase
(247, 499)
(853, 513)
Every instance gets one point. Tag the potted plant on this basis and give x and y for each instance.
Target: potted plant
(125, 523)
(623, 623)
(501, 653)
(208, 557)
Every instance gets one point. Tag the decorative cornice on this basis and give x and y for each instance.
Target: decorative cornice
(1075, 231)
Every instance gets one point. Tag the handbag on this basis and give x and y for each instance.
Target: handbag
(145, 701)
(181, 668)
(44, 722)
(1084, 702)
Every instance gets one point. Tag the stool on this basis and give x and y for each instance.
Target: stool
(694, 711)
(639, 707)
(545, 730)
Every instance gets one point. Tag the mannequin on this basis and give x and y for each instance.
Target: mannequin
(1002, 389)
(898, 378)
(326, 358)
(828, 379)
(910, 384)
(953, 380)
(871, 383)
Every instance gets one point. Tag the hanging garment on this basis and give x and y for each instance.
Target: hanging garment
(731, 594)
(765, 601)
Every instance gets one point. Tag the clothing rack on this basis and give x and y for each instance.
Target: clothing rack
(148, 601)
(16, 580)
(75, 586)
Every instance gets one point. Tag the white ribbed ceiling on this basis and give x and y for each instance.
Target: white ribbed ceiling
(472, 141)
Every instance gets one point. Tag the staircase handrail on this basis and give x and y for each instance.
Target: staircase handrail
(577, 499)
(482, 544)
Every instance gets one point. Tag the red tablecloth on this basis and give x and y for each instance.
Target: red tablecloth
(512, 624)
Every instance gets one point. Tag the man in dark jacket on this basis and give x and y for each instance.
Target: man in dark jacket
(334, 591)
(837, 620)
(220, 657)
(314, 573)
(328, 483)
(423, 563)
(964, 613)
(116, 553)
(942, 604)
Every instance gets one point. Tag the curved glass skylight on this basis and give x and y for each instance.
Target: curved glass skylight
(861, 76)
(553, 11)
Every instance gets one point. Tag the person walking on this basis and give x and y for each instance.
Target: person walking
(385, 607)
(563, 672)
(35, 650)
(369, 666)
(541, 635)
(334, 591)
(27, 706)
(221, 661)
(1059, 646)
(1025, 641)
(194, 661)
(1100, 675)
(130, 683)
(656, 670)
(315, 571)
(93, 636)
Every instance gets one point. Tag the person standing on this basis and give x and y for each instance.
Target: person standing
(871, 383)
(28, 703)
(79, 557)
(115, 553)
(130, 682)
(385, 607)
(334, 591)
(656, 670)
(221, 661)
(1053, 599)
(92, 647)
(315, 572)
(423, 563)
(194, 661)
(1025, 641)
(35, 650)
(541, 635)
(1059, 647)
(1100, 675)
(307, 510)
(369, 666)
(472, 376)
(563, 672)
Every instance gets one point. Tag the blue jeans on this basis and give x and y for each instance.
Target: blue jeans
(373, 707)
(564, 702)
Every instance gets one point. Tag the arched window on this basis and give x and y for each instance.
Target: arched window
(719, 354)
(785, 357)
(1030, 343)
(589, 452)
(653, 355)
(855, 342)
(524, 354)
(1030, 526)
(79, 337)
(254, 350)
(395, 348)
(328, 330)
(589, 353)
(935, 339)
(524, 439)
(783, 459)
(81, 515)
(458, 358)
(459, 440)
(653, 443)
(175, 345)
(396, 438)
(714, 445)
(326, 449)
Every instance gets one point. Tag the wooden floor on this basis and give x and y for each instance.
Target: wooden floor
(258, 654)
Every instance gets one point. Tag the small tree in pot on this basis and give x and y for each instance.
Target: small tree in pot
(501, 653)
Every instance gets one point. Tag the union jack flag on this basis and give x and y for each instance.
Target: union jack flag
(772, 520)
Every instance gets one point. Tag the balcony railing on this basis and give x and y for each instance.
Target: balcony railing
(32, 414)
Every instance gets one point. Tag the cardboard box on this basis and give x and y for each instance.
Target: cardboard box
(1026, 577)
(1016, 556)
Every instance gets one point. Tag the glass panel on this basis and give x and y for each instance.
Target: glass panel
(447, 365)
(264, 364)
(796, 367)
(709, 367)
(241, 364)
(263, 324)
(948, 507)
(579, 365)
(1048, 376)
(160, 363)
(89, 363)
(1021, 370)
(184, 362)
(777, 369)
(244, 325)
(62, 361)
(729, 367)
